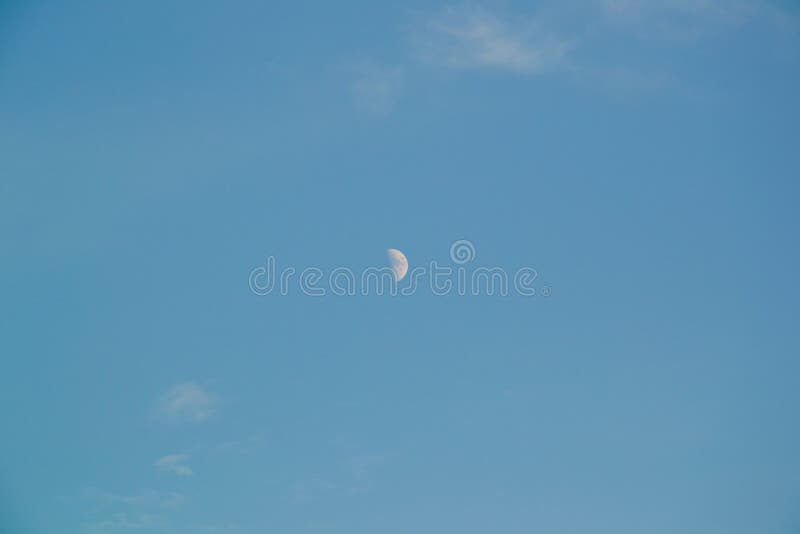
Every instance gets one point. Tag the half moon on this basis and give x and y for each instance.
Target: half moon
(399, 263)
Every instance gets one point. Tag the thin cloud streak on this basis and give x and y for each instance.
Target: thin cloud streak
(376, 88)
(468, 37)
(175, 463)
(186, 402)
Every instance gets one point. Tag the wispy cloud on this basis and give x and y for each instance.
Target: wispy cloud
(175, 463)
(186, 402)
(355, 478)
(145, 511)
(376, 88)
(470, 37)
(580, 39)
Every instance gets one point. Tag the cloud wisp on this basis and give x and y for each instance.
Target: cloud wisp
(186, 402)
(146, 511)
(376, 88)
(176, 464)
(559, 37)
(469, 37)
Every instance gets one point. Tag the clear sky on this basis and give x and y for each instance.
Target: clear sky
(643, 156)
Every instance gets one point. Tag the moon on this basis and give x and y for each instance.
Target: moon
(399, 263)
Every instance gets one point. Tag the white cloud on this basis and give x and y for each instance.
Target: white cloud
(468, 37)
(175, 463)
(581, 39)
(186, 402)
(376, 88)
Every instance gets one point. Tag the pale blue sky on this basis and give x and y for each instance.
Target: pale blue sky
(642, 155)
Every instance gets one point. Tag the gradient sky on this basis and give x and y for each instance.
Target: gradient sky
(643, 156)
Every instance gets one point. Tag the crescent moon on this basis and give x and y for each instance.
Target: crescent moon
(399, 263)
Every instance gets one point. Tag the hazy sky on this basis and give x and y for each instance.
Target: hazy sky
(643, 156)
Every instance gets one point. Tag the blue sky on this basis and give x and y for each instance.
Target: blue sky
(641, 155)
